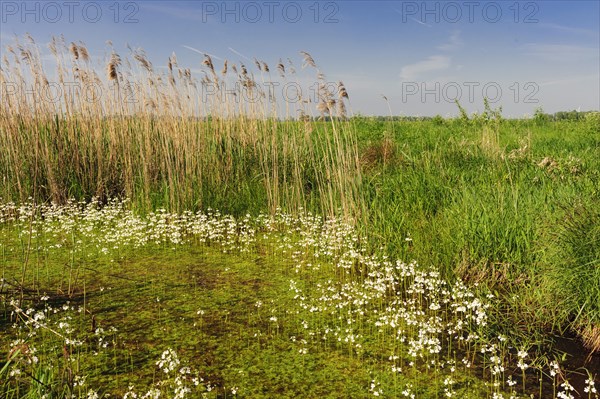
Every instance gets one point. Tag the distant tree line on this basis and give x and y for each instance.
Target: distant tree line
(539, 115)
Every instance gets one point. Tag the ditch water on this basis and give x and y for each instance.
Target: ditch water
(574, 359)
(578, 359)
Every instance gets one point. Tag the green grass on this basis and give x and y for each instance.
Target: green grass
(491, 214)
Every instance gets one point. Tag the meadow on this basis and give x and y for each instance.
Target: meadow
(182, 237)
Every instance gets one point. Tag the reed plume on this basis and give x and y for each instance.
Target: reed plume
(308, 60)
(113, 64)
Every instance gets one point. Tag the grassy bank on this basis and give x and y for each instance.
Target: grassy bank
(512, 206)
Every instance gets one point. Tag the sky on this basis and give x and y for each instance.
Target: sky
(420, 55)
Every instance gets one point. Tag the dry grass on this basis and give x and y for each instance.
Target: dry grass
(591, 338)
(380, 153)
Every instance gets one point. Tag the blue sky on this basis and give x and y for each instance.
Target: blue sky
(419, 54)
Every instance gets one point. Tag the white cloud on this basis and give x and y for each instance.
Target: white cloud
(200, 51)
(454, 42)
(570, 29)
(420, 22)
(561, 52)
(238, 53)
(411, 18)
(432, 63)
(569, 80)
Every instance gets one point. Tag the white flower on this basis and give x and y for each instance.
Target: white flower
(554, 368)
(566, 393)
(522, 365)
(590, 386)
(168, 361)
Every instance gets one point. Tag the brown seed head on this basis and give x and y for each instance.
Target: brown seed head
(281, 68)
(83, 53)
(342, 93)
(308, 60)
(224, 70)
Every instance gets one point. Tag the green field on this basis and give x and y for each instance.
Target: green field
(159, 252)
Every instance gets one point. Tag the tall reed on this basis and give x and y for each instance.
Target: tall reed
(236, 139)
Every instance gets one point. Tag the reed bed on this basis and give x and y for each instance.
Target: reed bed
(239, 138)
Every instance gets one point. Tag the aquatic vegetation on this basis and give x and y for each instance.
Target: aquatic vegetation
(412, 332)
